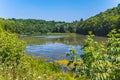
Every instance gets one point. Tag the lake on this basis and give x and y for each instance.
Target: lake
(54, 47)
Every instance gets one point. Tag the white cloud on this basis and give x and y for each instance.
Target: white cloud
(117, 1)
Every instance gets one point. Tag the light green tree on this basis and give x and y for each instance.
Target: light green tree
(100, 61)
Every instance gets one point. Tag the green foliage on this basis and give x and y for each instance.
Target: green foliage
(113, 51)
(99, 61)
(33, 26)
(16, 65)
(11, 52)
(102, 23)
(74, 61)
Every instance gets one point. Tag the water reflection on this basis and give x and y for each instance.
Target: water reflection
(51, 51)
(54, 47)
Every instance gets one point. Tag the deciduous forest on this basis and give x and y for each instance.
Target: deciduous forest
(100, 25)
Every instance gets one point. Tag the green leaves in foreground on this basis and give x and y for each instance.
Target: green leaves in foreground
(99, 61)
(15, 65)
(113, 51)
(11, 52)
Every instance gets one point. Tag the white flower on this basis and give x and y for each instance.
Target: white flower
(16, 79)
(39, 77)
(1, 68)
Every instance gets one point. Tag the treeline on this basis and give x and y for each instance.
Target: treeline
(100, 25)
(33, 26)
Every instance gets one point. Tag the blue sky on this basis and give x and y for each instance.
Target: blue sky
(58, 10)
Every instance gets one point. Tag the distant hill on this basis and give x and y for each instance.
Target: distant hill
(102, 23)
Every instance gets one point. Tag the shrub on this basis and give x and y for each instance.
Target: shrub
(100, 61)
(16, 65)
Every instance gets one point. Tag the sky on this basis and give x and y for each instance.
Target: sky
(58, 10)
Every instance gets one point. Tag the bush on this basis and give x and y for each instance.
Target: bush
(11, 52)
(16, 65)
(100, 61)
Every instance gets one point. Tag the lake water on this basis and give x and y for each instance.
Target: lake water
(54, 47)
(51, 51)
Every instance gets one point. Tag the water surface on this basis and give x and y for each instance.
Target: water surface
(54, 47)
(52, 51)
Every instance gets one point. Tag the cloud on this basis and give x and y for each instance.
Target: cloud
(117, 1)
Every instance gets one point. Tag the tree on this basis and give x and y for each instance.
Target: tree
(98, 62)
(118, 5)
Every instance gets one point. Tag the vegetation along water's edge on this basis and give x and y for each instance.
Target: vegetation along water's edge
(98, 61)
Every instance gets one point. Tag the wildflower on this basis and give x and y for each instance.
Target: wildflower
(39, 77)
(17, 78)
(1, 68)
